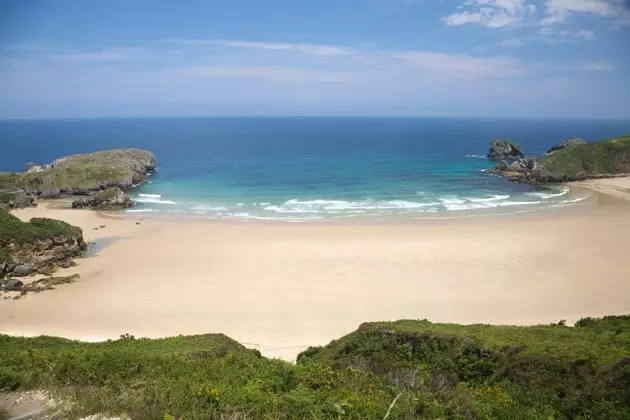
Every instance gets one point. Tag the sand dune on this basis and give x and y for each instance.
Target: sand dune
(281, 287)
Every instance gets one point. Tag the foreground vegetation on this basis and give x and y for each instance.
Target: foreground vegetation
(398, 370)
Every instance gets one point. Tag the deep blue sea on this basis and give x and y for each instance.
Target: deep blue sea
(313, 168)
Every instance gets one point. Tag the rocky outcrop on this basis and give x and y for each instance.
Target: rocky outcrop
(565, 144)
(109, 199)
(42, 256)
(16, 200)
(502, 149)
(39, 246)
(83, 174)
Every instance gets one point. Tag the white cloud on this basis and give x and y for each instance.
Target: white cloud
(461, 65)
(312, 49)
(559, 10)
(88, 56)
(550, 35)
(590, 66)
(492, 13)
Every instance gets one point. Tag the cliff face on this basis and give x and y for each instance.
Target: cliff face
(38, 246)
(573, 162)
(82, 174)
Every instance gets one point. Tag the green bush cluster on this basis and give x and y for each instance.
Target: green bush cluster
(13, 230)
(409, 369)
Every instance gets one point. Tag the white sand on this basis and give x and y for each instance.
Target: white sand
(281, 287)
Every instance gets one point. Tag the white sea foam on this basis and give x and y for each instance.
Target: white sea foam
(451, 199)
(469, 205)
(336, 206)
(152, 199)
(140, 211)
(546, 196)
(488, 199)
(205, 208)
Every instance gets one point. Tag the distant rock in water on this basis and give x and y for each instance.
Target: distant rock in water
(572, 161)
(83, 174)
(565, 144)
(503, 149)
(110, 199)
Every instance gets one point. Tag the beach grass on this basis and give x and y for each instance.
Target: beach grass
(402, 370)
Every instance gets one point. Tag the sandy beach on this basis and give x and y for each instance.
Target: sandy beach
(281, 287)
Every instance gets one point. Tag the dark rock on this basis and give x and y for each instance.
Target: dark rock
(521, 165)
(109, 199)
(565, 144)
(23, 270)
(502, 149)
(13, 285)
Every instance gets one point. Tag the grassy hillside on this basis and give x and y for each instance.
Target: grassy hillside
(604, 158)
(409, 369)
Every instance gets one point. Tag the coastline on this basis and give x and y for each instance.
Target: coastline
(281, 287)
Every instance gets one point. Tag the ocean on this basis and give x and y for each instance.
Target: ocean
(301, 169)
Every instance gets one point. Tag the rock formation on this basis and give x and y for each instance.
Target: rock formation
(110, 199)
(38, 246)
(83, 174)
(502, 149)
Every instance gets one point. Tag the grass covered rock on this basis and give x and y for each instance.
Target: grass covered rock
(82, 174)
(36, 246)
(574, 161)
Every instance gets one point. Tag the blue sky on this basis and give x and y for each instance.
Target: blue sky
(523, 58)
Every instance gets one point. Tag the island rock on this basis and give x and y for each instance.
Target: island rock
(503, 149)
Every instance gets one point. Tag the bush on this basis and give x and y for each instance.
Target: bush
(13, 230)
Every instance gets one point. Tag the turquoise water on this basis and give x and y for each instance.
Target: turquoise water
(300, 169)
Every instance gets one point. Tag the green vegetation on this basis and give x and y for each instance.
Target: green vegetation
(75, 177)
(82, 174)
(409, 369)
(604, 158)
(107, 194)
(13, 230)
